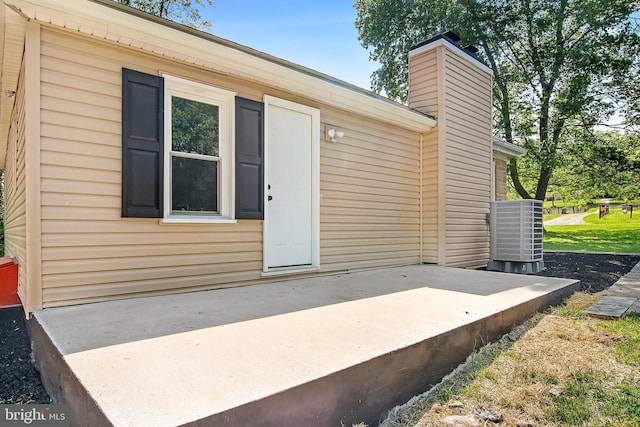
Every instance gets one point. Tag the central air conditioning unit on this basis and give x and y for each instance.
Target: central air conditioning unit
(516, 236)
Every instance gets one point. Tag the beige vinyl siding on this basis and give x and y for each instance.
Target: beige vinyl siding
(370, 195)
(456, 154)
(468, 161)
(15, 237)
(424, 96)
(423, 83)
(430, 197)
(369, 190)
(501, 179)
(90, 253)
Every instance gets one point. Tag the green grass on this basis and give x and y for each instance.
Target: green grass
(524, 381)
(627, 349)
(575, 405)
(588, 399)
(615, 232)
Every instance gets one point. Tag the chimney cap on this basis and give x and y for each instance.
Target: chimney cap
(449, 36)
(452, 38)
(471, 49)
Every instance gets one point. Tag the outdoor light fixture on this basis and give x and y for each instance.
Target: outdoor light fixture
(333, 135)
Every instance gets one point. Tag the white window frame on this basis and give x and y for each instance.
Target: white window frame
(225, 101)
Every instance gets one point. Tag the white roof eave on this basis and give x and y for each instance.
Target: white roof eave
(110, 21)
(507, 149)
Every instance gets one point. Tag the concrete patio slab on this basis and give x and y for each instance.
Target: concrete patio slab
(317, 351)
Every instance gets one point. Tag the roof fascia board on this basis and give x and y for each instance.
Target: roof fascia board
(510, 150)
(139, 30)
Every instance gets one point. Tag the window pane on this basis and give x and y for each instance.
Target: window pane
(194, 186)
(194, 127)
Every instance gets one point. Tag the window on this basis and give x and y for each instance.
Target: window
(198, 152)
(179, 165)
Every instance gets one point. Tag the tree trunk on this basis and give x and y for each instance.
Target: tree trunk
(513, 172)
(543, 182)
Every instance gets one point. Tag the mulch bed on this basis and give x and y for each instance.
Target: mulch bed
(20, 382)
(596, 272)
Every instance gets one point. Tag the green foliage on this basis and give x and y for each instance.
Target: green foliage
(600, 164)
(587, 399)
(186, 12)
(445, 392)
(557, 65)
(194, 127)
(574, 308)
(194, 180)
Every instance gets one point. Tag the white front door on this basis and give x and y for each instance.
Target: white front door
(291, 179)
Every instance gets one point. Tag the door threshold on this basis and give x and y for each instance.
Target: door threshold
(284, 271)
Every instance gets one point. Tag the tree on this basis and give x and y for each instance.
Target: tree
(184, 11)
(603, 163)
(558, 65)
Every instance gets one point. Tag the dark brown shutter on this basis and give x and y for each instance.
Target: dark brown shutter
(249, 159)
(142, 144)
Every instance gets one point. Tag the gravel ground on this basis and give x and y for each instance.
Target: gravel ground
(20, 382)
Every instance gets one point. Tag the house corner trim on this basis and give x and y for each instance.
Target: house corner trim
(32, 169)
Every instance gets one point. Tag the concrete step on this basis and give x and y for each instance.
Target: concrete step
(621, 298)
(611, 307)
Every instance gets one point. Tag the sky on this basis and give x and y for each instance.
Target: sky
(320, 35)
